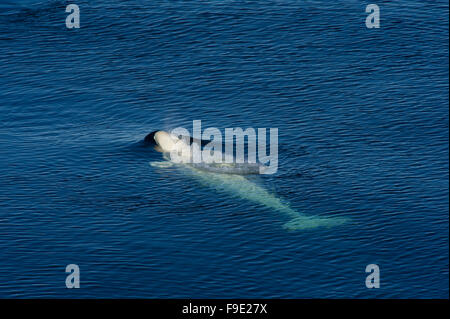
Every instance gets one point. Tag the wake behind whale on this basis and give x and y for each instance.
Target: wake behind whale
(230, 178)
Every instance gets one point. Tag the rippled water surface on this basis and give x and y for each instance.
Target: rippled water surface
(363, 131)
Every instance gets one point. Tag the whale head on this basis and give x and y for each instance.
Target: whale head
(166, 141)
(171, 143)
(176, 148)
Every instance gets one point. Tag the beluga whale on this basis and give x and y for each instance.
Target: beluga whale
(230, 178)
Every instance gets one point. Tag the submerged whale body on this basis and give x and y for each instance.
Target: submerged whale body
(228, 179)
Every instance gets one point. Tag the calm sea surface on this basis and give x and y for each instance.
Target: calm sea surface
(363, 133)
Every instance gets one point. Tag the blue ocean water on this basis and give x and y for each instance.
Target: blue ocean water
(363, 131)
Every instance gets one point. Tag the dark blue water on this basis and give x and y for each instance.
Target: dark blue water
(363, 131)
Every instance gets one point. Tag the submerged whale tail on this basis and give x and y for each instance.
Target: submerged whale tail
(238, 185)
(307, 222)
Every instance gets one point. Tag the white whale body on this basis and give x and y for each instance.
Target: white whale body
(237, 185)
